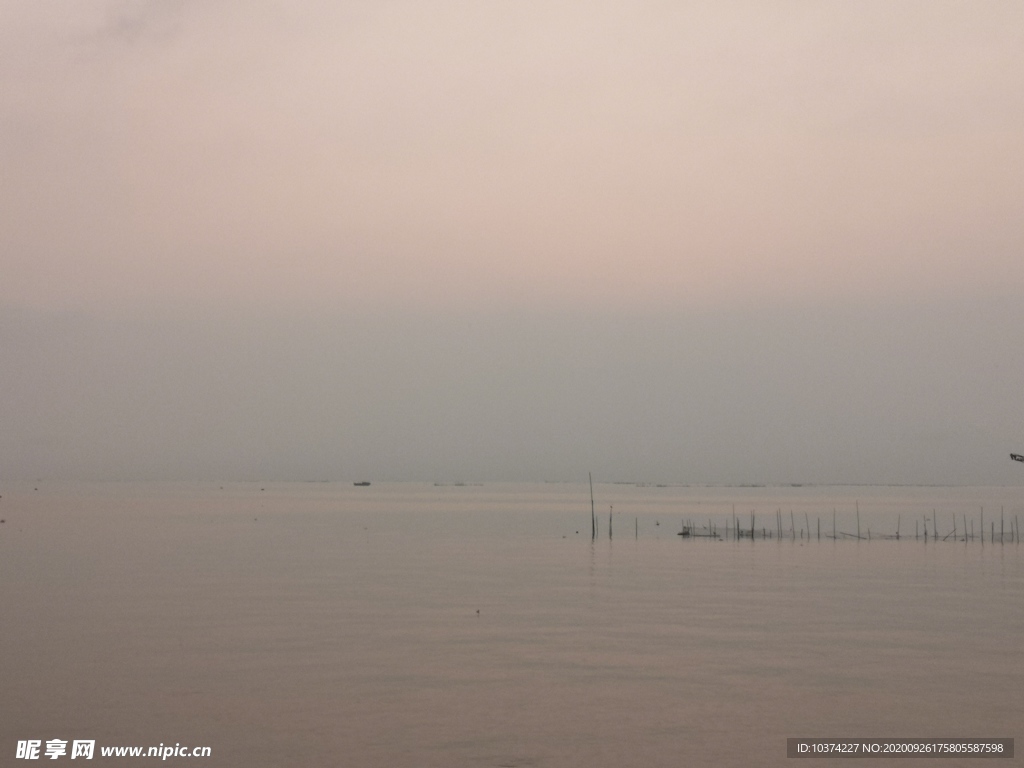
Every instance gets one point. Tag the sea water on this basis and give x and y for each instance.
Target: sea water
(408, 624)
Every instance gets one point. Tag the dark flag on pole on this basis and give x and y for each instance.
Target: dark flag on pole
(1016, 457)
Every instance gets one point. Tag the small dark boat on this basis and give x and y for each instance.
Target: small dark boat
(684, 532)
(363, 483)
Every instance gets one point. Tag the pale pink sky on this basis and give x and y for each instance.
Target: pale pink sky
(736, 242)
(506, 154)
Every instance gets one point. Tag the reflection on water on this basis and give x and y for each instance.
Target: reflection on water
(409, 624)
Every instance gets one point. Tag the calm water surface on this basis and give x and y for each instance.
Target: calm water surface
(414, 625)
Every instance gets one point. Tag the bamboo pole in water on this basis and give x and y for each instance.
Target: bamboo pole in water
(857, 503)
(593, 518)
(609, 522)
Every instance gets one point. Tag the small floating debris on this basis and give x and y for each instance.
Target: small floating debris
(362, 483)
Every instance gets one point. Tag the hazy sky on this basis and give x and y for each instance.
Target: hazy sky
(668, 241)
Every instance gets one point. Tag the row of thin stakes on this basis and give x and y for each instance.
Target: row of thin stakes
(734, 530)
(921, 529)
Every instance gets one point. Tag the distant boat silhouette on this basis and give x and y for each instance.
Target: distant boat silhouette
(363, 483)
